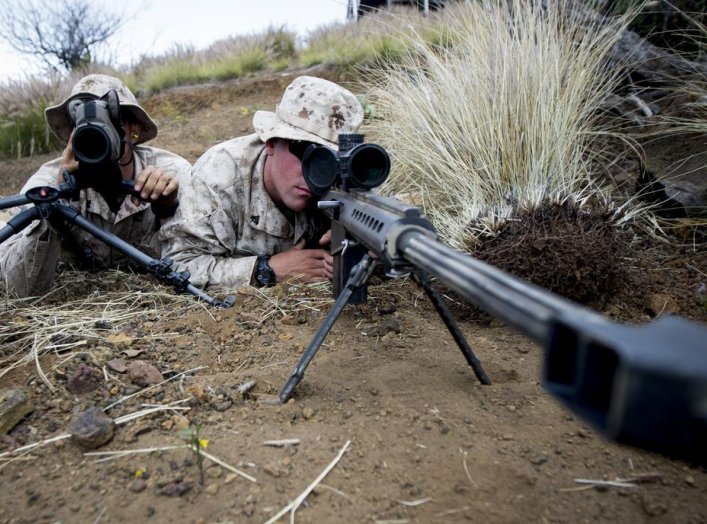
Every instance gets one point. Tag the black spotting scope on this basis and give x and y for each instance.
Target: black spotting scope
(98, 137)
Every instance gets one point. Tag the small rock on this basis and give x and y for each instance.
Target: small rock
(120, 339)
(387, 309)
(249, 509)
(83, 379)
(537, 460)
(223, 406)
(211, 489)
(276, 470)
(230, 478)
(143, 374)
(391, 325)
(137, 485)
(308, 413)
(175, 489)
(14, 406)
(690, 480)
(652, 507)
(214, 472)
(92, 428)
(119, 365)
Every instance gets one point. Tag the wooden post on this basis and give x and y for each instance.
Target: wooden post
(426, 8)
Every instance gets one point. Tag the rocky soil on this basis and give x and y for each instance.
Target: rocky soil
(389, 395)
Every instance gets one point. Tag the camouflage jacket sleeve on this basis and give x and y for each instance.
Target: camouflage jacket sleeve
(28, 259)
(226, 218)
(201, 236)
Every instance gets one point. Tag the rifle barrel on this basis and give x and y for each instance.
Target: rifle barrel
(528, 308)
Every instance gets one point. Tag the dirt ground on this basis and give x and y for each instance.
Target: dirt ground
(423, 441)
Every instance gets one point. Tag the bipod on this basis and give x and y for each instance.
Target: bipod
(359, 276)
(47, 206)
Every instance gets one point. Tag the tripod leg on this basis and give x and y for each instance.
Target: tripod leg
(159, 268)
(19, 222)
(359, 276)
(422, 279)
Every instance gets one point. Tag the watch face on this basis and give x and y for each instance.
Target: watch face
(264, 275)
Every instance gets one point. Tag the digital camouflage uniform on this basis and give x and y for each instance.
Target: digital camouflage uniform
(29, 259)
(225, 217)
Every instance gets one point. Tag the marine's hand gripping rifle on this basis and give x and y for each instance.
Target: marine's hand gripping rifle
(642, 385)
(48, 205)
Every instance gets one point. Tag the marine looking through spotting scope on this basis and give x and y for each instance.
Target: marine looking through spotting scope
(98, 135)
(354, 165)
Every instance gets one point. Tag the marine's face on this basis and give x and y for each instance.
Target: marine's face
(283, 175)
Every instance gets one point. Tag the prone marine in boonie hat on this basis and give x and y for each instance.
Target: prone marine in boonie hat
(96, 86)
(249, 217)
(313, 110)
(28, 265)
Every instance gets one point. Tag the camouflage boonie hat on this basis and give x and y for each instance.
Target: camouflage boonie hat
(311, 109)
(95, 86)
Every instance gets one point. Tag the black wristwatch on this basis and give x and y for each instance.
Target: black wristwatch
(264, 274)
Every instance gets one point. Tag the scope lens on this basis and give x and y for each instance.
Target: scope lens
(369, 166)
(319, 168)
(91, 145)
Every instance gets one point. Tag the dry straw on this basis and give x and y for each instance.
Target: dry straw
(31, 328)
(499, 116)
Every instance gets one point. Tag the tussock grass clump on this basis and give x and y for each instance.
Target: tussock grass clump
(23, 130)
(502, 122)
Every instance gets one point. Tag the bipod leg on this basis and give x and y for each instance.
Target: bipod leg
(359, 276)
(423, 280)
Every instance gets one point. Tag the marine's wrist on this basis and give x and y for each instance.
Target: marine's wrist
(263, 274)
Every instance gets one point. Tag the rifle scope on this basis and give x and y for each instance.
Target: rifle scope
(354, 165)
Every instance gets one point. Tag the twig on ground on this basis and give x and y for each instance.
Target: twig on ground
(110, 455)
(466, 468)
(612, 483)
(153, 386)
(292, 506)
(413, 503)
(281, 443)
(228, 466)
(453, 511)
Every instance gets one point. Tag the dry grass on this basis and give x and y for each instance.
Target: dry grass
(503, 120)
(70, 319)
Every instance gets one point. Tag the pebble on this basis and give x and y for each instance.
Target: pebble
(92, 428)
(14, 406)
(137, 485)
(214, 472)
(211, 489)
(230, 478)
(308, 413)
(83, 379)
(143, 374)
(175, 489)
